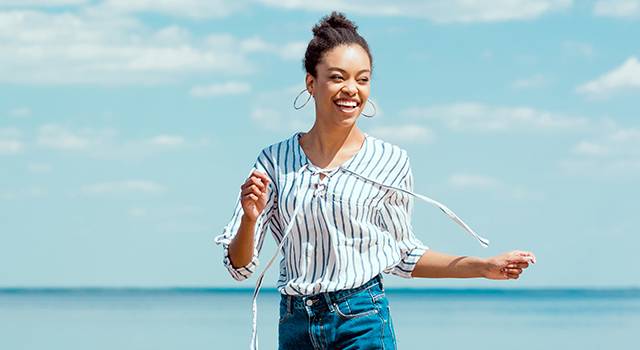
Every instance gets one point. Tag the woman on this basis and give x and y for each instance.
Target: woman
(338, 202)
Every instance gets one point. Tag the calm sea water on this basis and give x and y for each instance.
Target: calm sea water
(220, 319)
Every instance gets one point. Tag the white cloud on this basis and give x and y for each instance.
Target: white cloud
(442, 11)
(409, 133)
(10, 141)
(626, 76)
(579, 48)
(227, 88)
(590, 149)
(20, 112)
(462, 181)
(22, 193)
(291, 51)
(167, 141)
(61, 138)
(617, 8)
(102, 47)
(106, 143)
(615, 153)
(485, 118)
(69, 48)
(195, 9)
(38, 168)
(40, 3)
(534, 81)
(10, 147)
(137, 212)
(124, 188)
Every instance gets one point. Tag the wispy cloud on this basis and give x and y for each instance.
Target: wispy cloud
(40, 3)
(22, 193)
(469, 116)
(167, 141)
(71, 48)
(617, 8)
(123, 188)
(20, 112)
(221, 89)
(401, 134)
(273, 110)
(194, 9)
(578, 48)
(616, 152)
(435, 10)
(60, 138)
(466, 181)
(534, 81)
(10, 141)
(626, 76)
(106, 142)
(39, 168)
(292, 50)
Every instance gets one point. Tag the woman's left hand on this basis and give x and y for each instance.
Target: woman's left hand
(508, 265)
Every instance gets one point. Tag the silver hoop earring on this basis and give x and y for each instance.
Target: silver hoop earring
(297, 97)
(375, 110)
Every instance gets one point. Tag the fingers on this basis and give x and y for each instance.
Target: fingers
(262, 176)
(520, 265)
(253, 192)
(511, 273)
(256, 183)
(519, 256)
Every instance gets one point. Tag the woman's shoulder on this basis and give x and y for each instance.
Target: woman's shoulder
(386, 149)
(275, 150)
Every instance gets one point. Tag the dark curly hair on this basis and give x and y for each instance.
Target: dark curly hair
(332, 30)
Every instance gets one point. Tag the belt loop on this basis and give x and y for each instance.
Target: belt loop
(327, 298)
(380, 281)
(289, 302)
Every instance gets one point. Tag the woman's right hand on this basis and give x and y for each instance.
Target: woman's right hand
(254, 195)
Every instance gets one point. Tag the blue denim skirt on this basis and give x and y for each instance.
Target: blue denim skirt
(355, 318)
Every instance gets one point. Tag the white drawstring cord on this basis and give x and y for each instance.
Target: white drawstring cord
(483, 241)
(254, 334)
(254, 328)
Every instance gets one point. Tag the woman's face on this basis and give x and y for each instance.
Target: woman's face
(341, 87)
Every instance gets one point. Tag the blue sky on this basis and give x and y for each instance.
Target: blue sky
(127, 127)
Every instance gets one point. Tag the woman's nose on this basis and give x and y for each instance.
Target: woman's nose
(350, 88)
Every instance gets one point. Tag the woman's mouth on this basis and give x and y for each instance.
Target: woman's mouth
(346, 105)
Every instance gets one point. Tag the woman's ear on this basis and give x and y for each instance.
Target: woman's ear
(309, 80)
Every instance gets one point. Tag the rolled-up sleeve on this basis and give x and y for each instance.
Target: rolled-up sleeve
(266, 221)
(395, 217)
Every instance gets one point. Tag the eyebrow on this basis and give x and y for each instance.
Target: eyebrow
(344, 71)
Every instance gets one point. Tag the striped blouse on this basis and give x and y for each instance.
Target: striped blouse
(338, 231)
(349, 228)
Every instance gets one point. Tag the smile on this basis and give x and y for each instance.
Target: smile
(346, 105)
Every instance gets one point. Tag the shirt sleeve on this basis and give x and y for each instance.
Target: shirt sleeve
(396, 219)
(267, 220)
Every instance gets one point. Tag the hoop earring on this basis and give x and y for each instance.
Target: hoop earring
(375, 110)
(305, 102)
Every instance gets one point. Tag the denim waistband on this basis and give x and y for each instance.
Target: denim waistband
(333, 297)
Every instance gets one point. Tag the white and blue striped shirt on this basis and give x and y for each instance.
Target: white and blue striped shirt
(338, 231)
(351, 224)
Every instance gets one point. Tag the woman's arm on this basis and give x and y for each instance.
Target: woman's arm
(509, 265)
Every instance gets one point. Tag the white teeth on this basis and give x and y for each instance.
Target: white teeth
(346, 103)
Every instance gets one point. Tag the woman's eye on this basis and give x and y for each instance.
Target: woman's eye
(364, 80)
(336, 77)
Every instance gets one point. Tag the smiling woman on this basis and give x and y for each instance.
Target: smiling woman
(338, 202)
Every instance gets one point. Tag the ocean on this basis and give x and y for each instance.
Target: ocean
(201, 318)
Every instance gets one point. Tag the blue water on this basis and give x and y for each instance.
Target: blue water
(220, 319)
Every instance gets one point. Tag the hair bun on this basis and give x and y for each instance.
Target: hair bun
(335, 20)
